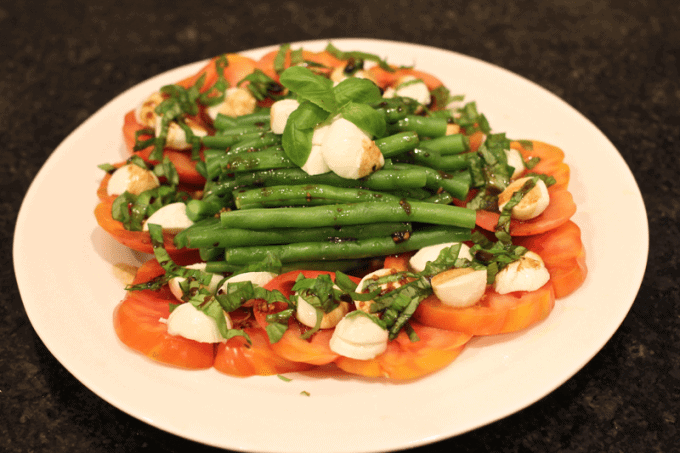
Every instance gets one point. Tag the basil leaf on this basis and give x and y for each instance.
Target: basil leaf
(297, 136)
(357, 90)
(280, 58)
(365, 118)
(310, 86)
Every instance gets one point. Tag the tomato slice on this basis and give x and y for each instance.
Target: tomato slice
(137, 323)
(405, 359)
(136, 240)
(185, 166)
(325, 59)
(563, 254)
(239, 66)
(238, 358)
(315, 350)
(494, 314)
(558, 212)
(385, 78)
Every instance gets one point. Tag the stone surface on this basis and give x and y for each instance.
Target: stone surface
(615, 62)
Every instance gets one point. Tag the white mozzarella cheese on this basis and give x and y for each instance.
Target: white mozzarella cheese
(358, 337)
(349, 152)
(279, 113)
(172, 218)
(174, 283)
(526, 274)
(237, 101)
(533, 203)
(515, 161)
(461, 287)
(306, 314)
(365, 305)
(189, 322)
(256, 278)
(131, 178)
(176, 138)
(431, 253)
(410, 87)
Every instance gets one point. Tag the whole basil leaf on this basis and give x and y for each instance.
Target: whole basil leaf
(297, 136)
(310, 86)
(365, 118)
(359, 90)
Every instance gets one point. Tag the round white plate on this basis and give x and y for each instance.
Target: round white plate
(70, 290)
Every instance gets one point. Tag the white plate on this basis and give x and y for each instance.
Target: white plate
(70, 291)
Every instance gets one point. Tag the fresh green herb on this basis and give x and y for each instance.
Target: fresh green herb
(305, 393)
(503, 227)
(216, 93)
(108, 168)
(339, 54)
(262, 86)
(283, 378)
(280, 58)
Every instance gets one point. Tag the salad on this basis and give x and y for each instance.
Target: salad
(316, 208)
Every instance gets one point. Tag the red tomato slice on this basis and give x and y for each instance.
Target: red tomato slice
(237, 358)
(494, 314)
(316, 350)
(385, 78)
(563, 254)
(405, 359)
(558, 212)
(136, 240)
(239, 66)
(136, 321)
(398, 262)
(186, 168)
(327, 60)
(551, 162)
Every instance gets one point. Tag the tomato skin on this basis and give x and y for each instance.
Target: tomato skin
(563, 254)
(558, 212)
(266, 63)
(136, 322)
(316, 350)
(385, 78)
(236, 358)
(494, 314)
(239, 66)
(405, 359)
(136, 240)
(185, 166)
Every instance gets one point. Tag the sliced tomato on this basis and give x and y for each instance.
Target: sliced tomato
(405, 359)
(325, 59)
(558, 212)
(237, 68)
(385, 78)
(136, 240)
(398, 262)
(185, 166)
(494, 314)
(315, 350)
(563, 254)
(102, 193)
(137, 323)
(238, 358)
(551, 162)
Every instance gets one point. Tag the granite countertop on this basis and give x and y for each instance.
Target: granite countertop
(617, 64)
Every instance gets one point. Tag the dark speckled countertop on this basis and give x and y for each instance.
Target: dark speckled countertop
(616, 62)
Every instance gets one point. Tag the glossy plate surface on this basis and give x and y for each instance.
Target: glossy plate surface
(70, 290)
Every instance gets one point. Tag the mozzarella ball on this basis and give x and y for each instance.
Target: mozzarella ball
(460, 287)
(516, 161)
(306, 314)
(189, 322)
(279, 113)
(526, 274)
(172, 218)
(174, 283)
(532, 204)
(349, 152)
(176, 138)
(410, 87)
(431, 253)
(131, 178)
(358, 337)
(238, 101)
(256, 278)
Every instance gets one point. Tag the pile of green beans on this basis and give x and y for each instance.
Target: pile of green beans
(257, 201)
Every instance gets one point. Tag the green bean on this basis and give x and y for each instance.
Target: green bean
(349, 214)
(306, 195)
(264, 159)
(224, 122)
(385, 179)
(396, 109)
(250, 144)
(398, 143)
(209, 233)
(222, 267)
(435, 160)
(422, 125)
(211, 253)
(448, 144)
(200, 209)
(364, 248)
(457, 185)
(224, 141)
